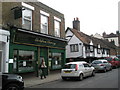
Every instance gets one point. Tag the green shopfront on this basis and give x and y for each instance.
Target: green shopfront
(28, 47)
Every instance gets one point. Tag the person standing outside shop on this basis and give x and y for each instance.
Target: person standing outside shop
(42, 67)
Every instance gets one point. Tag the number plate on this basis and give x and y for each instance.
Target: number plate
(67, 71)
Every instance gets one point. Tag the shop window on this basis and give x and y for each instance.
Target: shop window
(74, 48)
(23, 61)
(50, 60)
(44, 24)
(57, 27)
(15, 61)
(27, 19)
(56, 60)
(26, 55)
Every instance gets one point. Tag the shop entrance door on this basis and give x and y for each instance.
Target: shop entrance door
(0, 61)
(44, 54)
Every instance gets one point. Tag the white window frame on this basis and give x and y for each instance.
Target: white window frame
(28, 7)
(59, 21)
(44, 14)
(74, 48)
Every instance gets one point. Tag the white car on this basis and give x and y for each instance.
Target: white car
(78, 70)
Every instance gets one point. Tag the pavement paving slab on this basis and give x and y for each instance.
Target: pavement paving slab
(32, 80)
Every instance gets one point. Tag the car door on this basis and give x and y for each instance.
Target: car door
(106, 65)
(86, 69)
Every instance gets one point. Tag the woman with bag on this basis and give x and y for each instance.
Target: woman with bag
(43, 67)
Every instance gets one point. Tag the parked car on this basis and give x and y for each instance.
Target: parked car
(115, 61)
(77, 70)
(11, 82)
(101, 65)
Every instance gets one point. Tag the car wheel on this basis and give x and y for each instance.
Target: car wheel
(110, 68)
(93, 73)
(12, 87)
(105, 70)
(81, 77)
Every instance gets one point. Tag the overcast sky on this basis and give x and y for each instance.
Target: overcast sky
(96, 16)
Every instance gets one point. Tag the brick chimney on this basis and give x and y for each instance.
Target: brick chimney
(76, 24)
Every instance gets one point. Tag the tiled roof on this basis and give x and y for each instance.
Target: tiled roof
(110, 35)
(86, 39)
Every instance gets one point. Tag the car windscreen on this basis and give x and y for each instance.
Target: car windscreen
(69, 66)
(96, 62)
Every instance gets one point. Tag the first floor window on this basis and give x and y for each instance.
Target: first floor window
(87, 49)
(57, 28)
(91, 48)
(44, 24)
(103, 51)
(98, 50)
(74, 48)
(108, 52)
(27, 19)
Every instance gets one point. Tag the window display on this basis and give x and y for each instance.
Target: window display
(55, 60)
(24, 59)
(56, 57)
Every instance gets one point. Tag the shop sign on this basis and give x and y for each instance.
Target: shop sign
(30, 39)
(44, 41)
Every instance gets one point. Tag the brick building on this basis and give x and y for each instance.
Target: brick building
(36, 32)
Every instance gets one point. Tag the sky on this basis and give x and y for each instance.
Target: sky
(96, 16)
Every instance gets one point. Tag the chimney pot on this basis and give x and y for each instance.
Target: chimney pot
(76, 24)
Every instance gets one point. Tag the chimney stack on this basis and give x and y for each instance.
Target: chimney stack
(76, 24)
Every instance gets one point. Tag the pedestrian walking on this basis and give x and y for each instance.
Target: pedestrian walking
(42, 68)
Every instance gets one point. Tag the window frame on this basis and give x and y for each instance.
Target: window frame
(30, 8)
(74, 48)
(46, 15)
(57, 30)
(42, 30)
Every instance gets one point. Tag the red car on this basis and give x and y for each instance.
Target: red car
(114, 61)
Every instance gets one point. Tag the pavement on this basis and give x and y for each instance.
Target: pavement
(31, 79)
